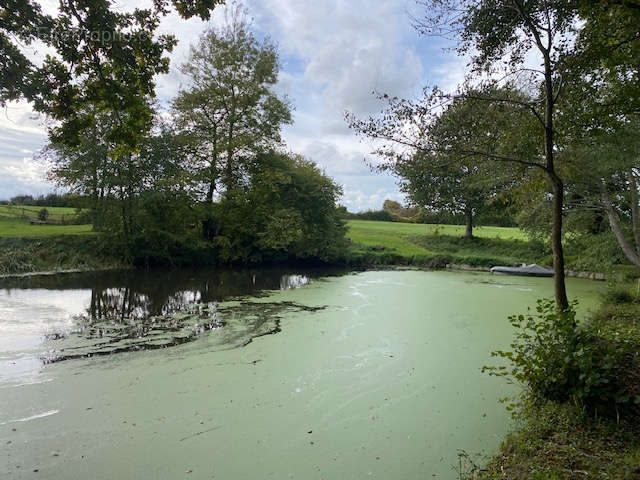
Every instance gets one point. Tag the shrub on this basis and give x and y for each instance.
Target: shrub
(559, 360)
(43, 215)
(618, 294)
(156, 247)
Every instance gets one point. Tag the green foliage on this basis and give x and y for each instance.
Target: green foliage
(375, 215)
(105, 63)
(601, 70)
(559, 360)
(400, 213)
(287, 212)
(621, 293)
(50, 200)
(160, 228)
(161, 248)
(61, 252)
(230, 111)
(590, 252)
(43, 215)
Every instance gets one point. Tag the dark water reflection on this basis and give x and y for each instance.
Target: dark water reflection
(139, 310)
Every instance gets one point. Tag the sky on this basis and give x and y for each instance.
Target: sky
(334, 54)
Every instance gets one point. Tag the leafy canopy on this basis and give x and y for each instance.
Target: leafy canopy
(105, 60)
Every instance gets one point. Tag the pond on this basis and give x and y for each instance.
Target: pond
(256, 374)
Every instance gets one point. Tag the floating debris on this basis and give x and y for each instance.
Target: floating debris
(235, 324)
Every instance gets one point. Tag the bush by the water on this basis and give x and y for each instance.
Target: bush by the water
(286, 211)
(557, 359)
(82, 252)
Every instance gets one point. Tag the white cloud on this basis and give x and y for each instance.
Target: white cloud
(343, 51)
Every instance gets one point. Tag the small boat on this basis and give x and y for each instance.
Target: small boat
(531, 270)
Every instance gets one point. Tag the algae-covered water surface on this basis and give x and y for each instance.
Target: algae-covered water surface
(255, 374)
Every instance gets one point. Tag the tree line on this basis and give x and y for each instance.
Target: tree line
(49, 200)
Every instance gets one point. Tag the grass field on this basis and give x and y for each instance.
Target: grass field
(395, 242)
(15, 227)
(360, 228)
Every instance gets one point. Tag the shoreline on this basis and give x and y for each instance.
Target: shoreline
(461, 267)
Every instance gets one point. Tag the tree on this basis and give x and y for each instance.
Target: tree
(602, 69)
(457, 153)
(230, 112)
(442, 172)
(287, 211)
(86, 170)
(451, 185)
(105, 61)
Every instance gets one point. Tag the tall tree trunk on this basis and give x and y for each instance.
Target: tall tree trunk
(635, 209)
(212, 187)
(230, 133)
(614, 222)
(229, 170)
(468, 213)
(562, 302)
(212, 167)
(94, 208)
(123, 215)
(95, 195)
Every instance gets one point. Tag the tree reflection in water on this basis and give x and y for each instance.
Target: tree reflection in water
(136, 310)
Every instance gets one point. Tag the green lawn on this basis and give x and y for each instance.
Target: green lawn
(396, 235)
(15, 227)
(12, 225)
(425, 244)
(399, 228)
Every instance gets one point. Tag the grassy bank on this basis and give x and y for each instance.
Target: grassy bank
(552, 443)
(384, 243)
(28, 248)
(558, 440)
(54, 253)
